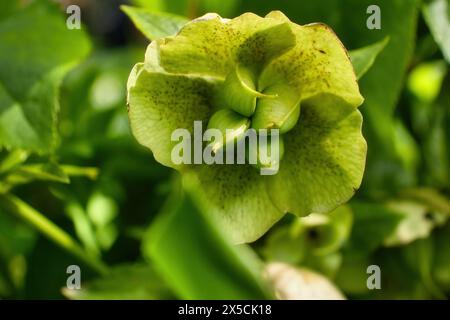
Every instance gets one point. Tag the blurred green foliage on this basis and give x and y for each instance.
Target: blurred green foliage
(75, 187)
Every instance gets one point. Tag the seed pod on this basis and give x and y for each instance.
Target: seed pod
(281, 112)
(239, 92)
(255, 72)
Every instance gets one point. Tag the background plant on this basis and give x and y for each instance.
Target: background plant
(63, 118)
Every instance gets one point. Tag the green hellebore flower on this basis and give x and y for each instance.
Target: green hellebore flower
(261, 73)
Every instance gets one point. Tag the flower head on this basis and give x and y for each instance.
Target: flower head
(255, 73)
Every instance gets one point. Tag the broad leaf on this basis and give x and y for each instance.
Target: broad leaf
(420, 255)
(382, 85)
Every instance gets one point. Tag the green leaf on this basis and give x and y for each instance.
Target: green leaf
(430, 198)
(191, 253)
(224, 8)
(437, 16)
(36, 51)
(373, 223)
(363, 58)
(17, 240)
(125, 282)
(420, 255)
(154, 116)
(324, 158)
(7, 8)
(352, 274)
(210, 46)
(425, 80)
(417, 223)
(402, 274)
(441, 263)
(399, 22)
(154, 25)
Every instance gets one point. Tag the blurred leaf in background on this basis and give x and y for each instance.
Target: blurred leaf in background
(155, 25)
(36, 51)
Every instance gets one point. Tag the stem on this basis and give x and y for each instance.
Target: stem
(50, 230)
